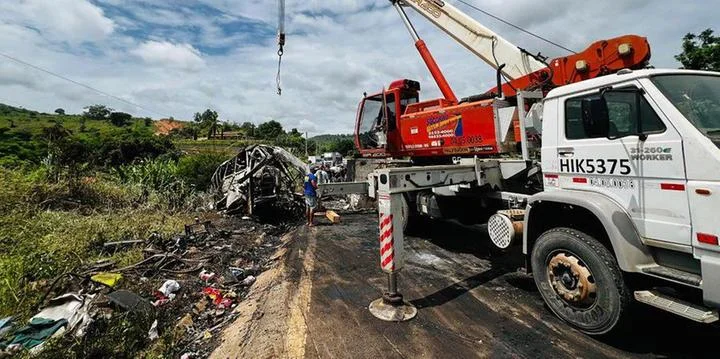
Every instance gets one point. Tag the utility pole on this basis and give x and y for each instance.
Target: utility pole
(306, 146)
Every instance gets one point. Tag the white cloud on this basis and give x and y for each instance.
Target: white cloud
(336, 50)
(72, 21)
(164, 53)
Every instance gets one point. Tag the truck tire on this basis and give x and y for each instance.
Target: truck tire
(580, 280)
(409, 215)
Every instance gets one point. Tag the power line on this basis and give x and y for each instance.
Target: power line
(38, 68)
(515, 26)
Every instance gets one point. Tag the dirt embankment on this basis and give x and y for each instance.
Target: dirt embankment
(165, 126)
(271, 321)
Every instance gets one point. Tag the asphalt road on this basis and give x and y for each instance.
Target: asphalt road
(472, 302)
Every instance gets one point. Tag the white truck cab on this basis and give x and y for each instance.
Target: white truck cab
(631, 161)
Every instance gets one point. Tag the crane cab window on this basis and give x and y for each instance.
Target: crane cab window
(371, 122)
(408, 98)
(390, 111)
(622, 111)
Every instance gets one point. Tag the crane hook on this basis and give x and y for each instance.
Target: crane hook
(281, 44)
(281, 41)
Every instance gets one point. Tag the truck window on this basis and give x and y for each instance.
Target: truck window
(390, 109)
(697, 97)
(622, 111)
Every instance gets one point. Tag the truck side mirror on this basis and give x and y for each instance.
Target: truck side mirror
(627, 104)
(595, 117)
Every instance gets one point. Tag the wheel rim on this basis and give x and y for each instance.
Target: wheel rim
(571, 279)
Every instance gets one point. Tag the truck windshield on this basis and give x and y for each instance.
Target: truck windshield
(697, 97)
(370, 122)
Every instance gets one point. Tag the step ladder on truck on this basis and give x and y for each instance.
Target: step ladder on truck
(600, 167)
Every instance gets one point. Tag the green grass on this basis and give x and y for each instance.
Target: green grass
(35, 125)
(54, 224)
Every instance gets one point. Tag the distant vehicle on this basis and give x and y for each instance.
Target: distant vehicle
(332, 157)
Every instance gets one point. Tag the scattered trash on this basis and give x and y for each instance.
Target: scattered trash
(37, 332)
(206, 276)
(186, 322)
(214, 294)
(199, 227)
(72, 308)
(248, 281)
(216, 264)
(225, 303)
(166, 293)
(169, 288)
(200, 306)
(108, 279)
(236, 272)
(5, 325)
(68, 313)
(187, 356)
(131, 302)
(207, 335)
(153, 332)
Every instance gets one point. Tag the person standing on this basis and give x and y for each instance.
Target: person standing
(322, 176)
(310, 189)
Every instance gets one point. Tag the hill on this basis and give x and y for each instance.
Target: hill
(20, 120)
(26, 135)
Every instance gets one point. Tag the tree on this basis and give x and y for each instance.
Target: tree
(149, 121)
(700, 52)
(248, 128)
(55, 133)
(60, 111)
(208, 119)
(120, 119)
(345, 146)
(269, 130)
(295, 132)
(97, 112)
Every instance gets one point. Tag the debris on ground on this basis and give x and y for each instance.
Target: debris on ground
(153, 332)
(108, 279)
(6, 325)
(261, 180)
(331, 215)
(68, 313)
(176, 297)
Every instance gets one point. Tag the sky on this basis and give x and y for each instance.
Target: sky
(175, 58)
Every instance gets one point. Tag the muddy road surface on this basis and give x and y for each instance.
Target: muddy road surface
(471, 300)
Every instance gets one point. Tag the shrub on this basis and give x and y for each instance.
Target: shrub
(197, 170)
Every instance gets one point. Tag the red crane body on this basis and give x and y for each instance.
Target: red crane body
(394, 123)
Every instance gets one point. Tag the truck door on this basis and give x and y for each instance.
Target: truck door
(371, 127)
(637, 162)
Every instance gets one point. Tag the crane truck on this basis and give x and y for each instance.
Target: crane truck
(604, 170)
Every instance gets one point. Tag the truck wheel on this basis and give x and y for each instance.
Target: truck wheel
(408, 215)
(580, 280)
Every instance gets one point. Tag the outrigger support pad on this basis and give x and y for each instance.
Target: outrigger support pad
(391, 307)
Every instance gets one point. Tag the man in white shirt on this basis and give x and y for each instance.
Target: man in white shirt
(323, 176)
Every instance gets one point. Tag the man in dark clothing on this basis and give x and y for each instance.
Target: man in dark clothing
(310, 188)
